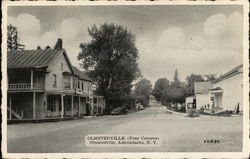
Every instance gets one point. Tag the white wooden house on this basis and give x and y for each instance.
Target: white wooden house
(225, 93)
(44, 84)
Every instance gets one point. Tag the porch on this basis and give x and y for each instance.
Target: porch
(215, 96)
(36, 106)
(26, 80)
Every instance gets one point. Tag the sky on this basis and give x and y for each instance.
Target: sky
(190, 38)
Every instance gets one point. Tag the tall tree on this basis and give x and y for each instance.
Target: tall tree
(12, 39)
(111, 60)
(176, 93)
(176, 83)
(143, 88)
(160, 89)
(142, 92)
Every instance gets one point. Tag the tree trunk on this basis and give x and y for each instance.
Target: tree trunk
(110, 80)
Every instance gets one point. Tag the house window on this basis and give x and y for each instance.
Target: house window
(62, 66)
(74, 83)
(78, 86)
(51, 104)
(67, 82)
(54, 81)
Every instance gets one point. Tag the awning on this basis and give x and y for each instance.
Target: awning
(216, 90)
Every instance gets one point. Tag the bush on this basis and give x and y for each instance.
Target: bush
(143, 100)
(202, 110)
(193, 113)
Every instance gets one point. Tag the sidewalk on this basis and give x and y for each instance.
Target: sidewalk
(203, 115)
(174, 112)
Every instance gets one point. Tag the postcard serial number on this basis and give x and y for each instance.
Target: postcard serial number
(211, 141)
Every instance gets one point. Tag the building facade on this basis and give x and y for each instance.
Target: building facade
(225, 93)
(44, 84)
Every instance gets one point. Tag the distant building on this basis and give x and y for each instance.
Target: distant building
(225, 93)
(190, 102)
(44, 84)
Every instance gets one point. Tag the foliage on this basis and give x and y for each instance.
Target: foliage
(143, 88)
(161, 89)
(211, 77)
(193, 113)
(142, 99)
(176, 83)
(176, 95)
(12, 39)
(111, 60)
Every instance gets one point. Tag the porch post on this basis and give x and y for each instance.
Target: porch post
(92, 105)
(10, 108)
(72, 107)
(97, 105)
(34, 105)
(31, 79)
(62, 106)
(79, 100)
(101, 106)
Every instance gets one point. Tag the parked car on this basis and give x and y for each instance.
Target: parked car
(120, 111)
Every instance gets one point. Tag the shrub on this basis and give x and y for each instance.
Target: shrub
(143, 100)
(193, 113)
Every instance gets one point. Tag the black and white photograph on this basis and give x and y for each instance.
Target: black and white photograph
(116, 78)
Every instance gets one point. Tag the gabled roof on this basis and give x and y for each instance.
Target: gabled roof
(81, 74)
(32, 58)
(234, 71)
(39, 59)
(201, 87)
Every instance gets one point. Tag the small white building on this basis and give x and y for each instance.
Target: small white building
(225, 93)
(190, 102)
(228, 90)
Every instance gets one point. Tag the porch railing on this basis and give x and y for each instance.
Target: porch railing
(25, 86)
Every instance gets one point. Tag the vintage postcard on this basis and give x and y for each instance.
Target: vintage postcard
(125, 79)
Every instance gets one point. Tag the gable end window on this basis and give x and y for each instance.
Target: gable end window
(54, 81)
(61, 66)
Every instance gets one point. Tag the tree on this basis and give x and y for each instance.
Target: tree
(111, 60)
(176, 83)
(12, 39)
(143, 88)
(160, 89)
(176, 95)
(211, 77)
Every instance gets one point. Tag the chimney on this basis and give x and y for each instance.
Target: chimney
(58, 44)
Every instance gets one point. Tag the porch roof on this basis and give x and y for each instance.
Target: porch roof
(216, 90)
